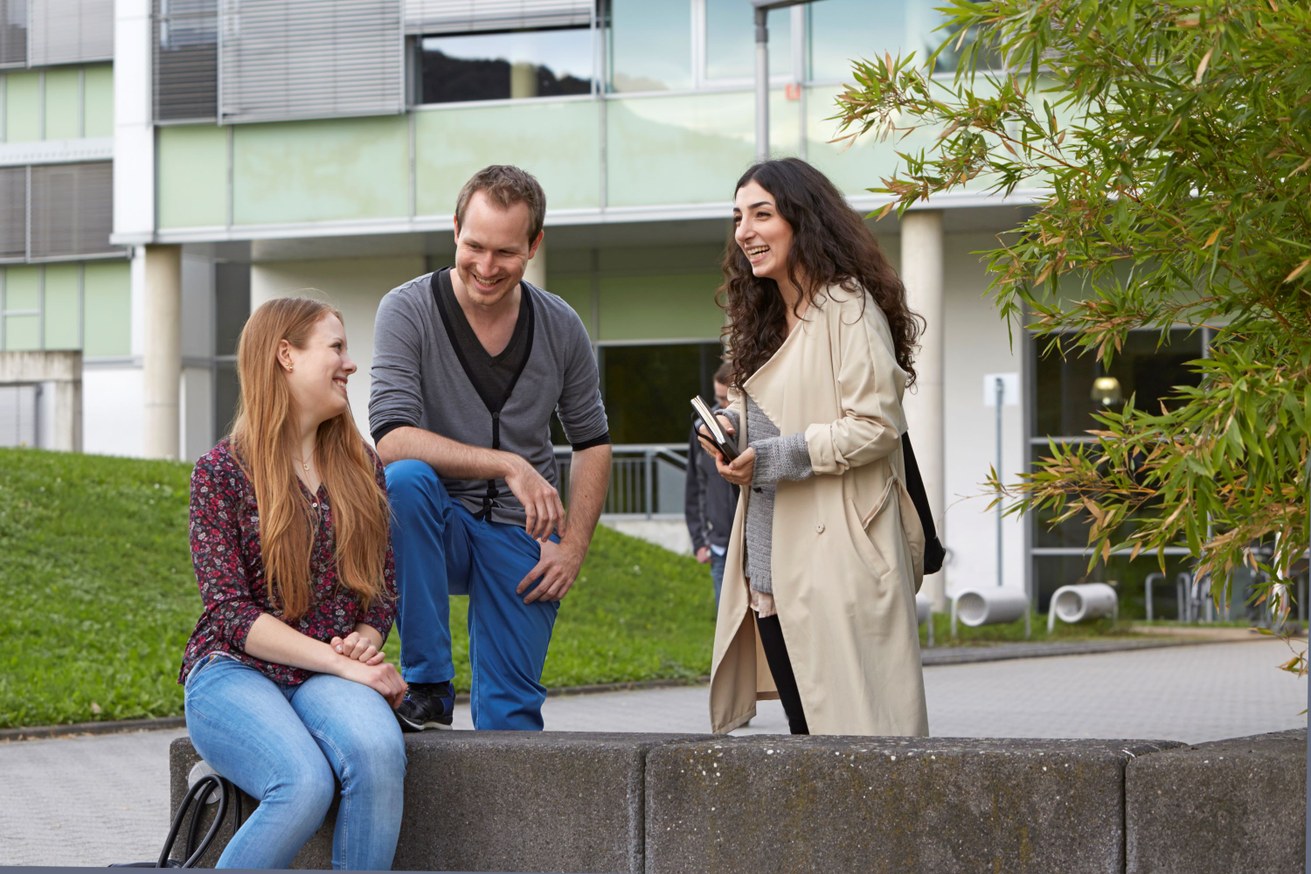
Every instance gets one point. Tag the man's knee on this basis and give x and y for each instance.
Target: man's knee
(412, 484)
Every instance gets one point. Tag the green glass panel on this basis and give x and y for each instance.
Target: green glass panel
(22, 107)
(684, 149)
(556, 141)
(657, 307)
(651, 45)
(191, 165)
(338, 169)
(22, 288)
(852, 167)
(22, 333)
(108, 316)
(98, 100)
(63, 104)
(63, 306)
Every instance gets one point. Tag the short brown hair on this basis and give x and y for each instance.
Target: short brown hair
(506, 185)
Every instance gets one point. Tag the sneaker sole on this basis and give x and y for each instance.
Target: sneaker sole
(412, 726)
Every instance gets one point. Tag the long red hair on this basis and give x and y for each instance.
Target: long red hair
(262, 441)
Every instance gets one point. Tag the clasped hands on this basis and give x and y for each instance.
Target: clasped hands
(369, 666)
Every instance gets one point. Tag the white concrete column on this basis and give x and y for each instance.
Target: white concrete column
(68, 415)
(922, 273)
(163, 351)
(535, 272)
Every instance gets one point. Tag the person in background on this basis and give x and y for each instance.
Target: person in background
(709, 499)
(287, 693)
(826, 551)
(469, 365)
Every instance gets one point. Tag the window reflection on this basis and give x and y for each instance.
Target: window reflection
(844, 30)
(650, 45)
(731, 40)
(1064, 401)
(499, 66)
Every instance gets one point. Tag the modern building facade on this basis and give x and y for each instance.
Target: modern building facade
(167, 165)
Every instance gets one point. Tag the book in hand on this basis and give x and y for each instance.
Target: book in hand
(723, 441)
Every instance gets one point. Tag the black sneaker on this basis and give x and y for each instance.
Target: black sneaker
(427, 705)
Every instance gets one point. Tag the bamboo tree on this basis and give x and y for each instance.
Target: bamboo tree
(1170, 144)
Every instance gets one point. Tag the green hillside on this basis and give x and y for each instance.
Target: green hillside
(99, 598)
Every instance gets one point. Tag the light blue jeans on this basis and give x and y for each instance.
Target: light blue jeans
(289, 747)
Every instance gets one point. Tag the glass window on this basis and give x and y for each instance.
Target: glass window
(1069, 390)
(843, 30)
(731, 40)
(650, 45)
(647, 388)
(505, 65)
(13, 33)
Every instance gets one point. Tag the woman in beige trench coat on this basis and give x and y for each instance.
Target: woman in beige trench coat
(826, 554)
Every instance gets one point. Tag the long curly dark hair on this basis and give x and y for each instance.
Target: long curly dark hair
(831, 246)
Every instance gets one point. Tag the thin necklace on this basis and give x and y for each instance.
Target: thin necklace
(304, 464)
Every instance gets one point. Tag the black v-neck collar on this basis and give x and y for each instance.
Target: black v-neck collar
(448, 308)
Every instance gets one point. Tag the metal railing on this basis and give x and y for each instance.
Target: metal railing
(646, 479)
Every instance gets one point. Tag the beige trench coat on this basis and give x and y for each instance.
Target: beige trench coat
(847, 543)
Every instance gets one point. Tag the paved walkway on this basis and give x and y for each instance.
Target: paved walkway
(91, 800)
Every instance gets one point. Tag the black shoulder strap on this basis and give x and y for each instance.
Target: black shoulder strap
(934, 551)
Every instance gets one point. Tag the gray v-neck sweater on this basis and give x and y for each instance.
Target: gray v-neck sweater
(419, 379)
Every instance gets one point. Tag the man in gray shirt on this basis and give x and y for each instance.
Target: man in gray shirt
(469, 364)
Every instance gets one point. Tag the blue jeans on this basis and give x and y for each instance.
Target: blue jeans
(288, 747)
(717, 564)
(441, 549)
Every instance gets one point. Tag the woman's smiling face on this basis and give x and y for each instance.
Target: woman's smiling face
(763, 235)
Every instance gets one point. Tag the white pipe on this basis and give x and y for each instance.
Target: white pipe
(976, 607)
(1079, 603)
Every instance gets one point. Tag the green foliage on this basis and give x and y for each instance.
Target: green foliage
(1169, 144)
(100, 598)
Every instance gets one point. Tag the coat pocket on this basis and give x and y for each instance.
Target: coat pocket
(893, 538)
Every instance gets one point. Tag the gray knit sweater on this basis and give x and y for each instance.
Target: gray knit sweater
(418, 380)
(777, 458)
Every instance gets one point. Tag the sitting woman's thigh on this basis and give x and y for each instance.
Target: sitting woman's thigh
(241, 722)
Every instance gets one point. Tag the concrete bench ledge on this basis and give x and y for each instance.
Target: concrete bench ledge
(564, 801)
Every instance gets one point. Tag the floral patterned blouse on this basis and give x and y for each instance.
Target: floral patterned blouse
(230, 571)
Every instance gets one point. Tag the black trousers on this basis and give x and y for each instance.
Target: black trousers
(776, 653)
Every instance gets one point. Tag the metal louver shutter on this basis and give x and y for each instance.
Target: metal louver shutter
(290, 59)
(72, 209)
(71, 31)
(185, 67)
(13, 33)
(470, 16)
(13, 212)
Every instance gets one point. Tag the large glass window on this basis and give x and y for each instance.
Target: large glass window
(1067, 392)
(650, 45)
(844, 30)
(647, 388)
(685, 44)
(730, 43)
(504, 65)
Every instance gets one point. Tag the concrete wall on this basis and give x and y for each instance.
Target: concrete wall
(565, 801)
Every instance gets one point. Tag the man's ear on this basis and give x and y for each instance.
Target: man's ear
(456, 223)
(532, 249)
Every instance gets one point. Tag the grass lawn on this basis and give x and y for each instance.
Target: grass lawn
(99, 596)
